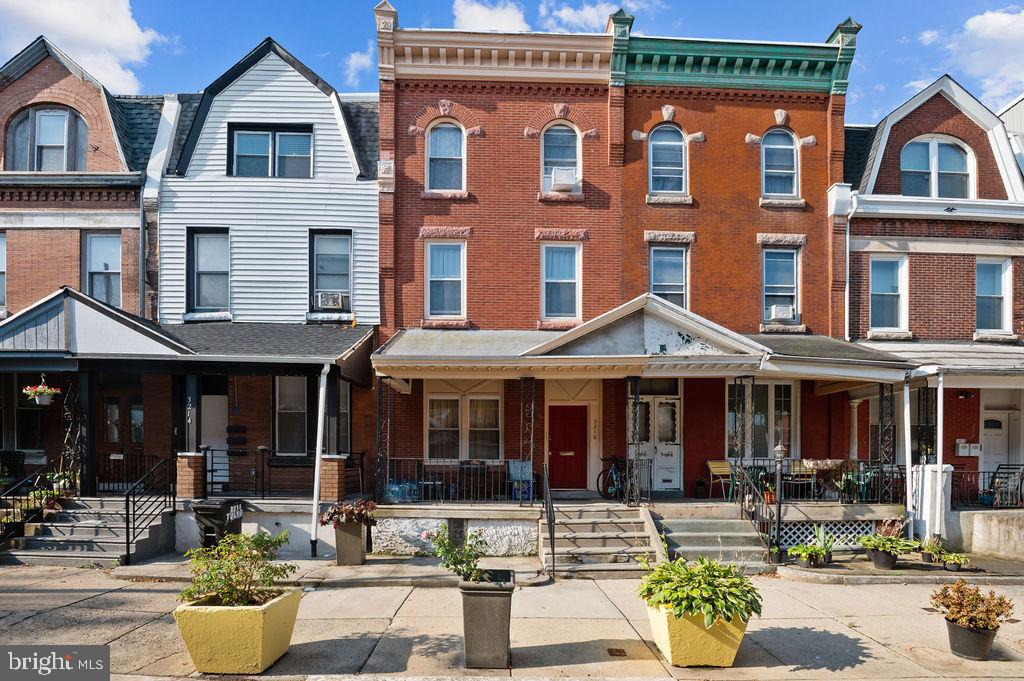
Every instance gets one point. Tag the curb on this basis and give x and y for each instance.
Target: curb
(815, 577)
(523, 579)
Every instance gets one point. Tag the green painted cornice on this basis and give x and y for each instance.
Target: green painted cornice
(803, 67)
(619, 25)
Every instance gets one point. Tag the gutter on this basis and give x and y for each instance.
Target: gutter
(142, 254)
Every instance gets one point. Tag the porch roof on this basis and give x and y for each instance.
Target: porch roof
(982, 359)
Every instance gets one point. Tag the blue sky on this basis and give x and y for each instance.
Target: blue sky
(157, 46)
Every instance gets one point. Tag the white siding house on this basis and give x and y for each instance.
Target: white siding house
(269, 220)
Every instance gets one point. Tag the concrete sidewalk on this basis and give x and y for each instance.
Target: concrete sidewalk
(570, 629)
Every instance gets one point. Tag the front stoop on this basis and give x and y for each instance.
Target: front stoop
(597, 542)
(87, 532)
(731, 541)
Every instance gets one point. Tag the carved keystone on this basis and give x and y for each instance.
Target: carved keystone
(561, 110)
(445, 107)
(667, 112)
(781, 117)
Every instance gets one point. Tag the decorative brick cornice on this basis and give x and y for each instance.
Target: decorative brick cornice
(67, 198)
(561, 234)
(725, 94)
(665, 237)
(445, 324)
(771, 239)
(561, 111)
(446, 108)
(444, 232)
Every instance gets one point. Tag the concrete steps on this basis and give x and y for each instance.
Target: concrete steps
(729, 540)
(597, 541)
(87, 531)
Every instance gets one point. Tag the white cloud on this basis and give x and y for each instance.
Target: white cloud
(356, 63)
(919, 84)
(589, 16)
(878, 87)
(928, 37)
(478, 15)
(101, 35)
(988, 48)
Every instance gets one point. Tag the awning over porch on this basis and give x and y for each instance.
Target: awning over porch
(645, 337)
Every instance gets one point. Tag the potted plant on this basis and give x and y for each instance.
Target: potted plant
(846, 486)
(826, 541)
(954, 562)
(807, 555)
(931, 549)
(234, 620)
(486, 599)
(769, 493)
(42, 393)
(987, 497)
(11, 525)
(972, 618)
(886, 549)
(351, 522)
(45, 500)
(699, 611)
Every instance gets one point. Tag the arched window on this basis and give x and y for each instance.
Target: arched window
(445, 158)
(935, 166)
(667, 160)
(46, 138)
(560, 171)
(778, 164)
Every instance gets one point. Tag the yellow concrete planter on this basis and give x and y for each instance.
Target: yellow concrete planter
(238, 640)
(686, 643)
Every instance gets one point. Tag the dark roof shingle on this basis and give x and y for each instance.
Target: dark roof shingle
(137, 118)
(267, 340)
(858, 140)
(189, 105)
(362, 119)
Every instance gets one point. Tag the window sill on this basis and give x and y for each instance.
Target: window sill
(669, 200)
(222, 316)
(769, 202)
(4, 314)
(444, 324)
(773, 327)
(557, 324)
(560, 197)
(448, 195)
(890, 335)
(996, 337)
(329, 316)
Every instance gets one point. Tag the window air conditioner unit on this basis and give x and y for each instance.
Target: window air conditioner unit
(331, 300)
(781, 313)
(563, 179)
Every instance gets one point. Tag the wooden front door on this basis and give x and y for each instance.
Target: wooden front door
(567, 446)
(119, 443)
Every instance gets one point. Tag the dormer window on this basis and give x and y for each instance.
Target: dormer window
(46, 139)
(560, 170)
(270, 151)
(936, 167)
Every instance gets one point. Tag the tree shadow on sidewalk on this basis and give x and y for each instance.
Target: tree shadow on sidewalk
(809, 649)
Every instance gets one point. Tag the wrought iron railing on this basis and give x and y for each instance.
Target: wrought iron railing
(1001, 488)
(831, 480)
(265, 473)
(748, 493)
(549, 515)
(116, 473)
(639, 480)
(416, 480)
(146, 501)
(28, 499)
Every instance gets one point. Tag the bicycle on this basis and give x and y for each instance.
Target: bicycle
(611, 482)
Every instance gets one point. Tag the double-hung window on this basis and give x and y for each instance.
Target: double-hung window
(932, 167)
(667, 159)
(103, 267)
(290, 407)
(560, 159)
(271, 151)
(889, 293)
(779, 296)
(668, 274)
(560, 292)
(445, 158)
(332, 262)
(773, 419)
(446, 280)
(992, 299)
(778, 164)
(463, 427)
(47, 139)
(3, 271)
(209, 277)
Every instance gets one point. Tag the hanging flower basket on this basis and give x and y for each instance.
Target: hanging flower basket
(42, 393)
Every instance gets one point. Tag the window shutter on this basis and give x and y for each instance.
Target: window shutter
(17, 152)
(79, 143)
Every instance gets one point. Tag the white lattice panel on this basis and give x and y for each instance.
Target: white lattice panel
(846, 532)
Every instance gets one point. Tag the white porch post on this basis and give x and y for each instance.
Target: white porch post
(854, 454)
(940, 418)
(908, 463)
(321, 408)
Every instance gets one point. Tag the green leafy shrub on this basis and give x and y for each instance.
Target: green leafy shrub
(823, 539)
(955, 558)
(806, 551)
(359, 511)
(237, 571)
(705, 588)
(459, 560)
(897, 546)
(933, 546)
(967, 606)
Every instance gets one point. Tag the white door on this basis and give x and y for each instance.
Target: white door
(214, 434)
(994, 450)
(668, 445)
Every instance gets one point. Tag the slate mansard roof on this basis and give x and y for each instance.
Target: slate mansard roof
(362, 116)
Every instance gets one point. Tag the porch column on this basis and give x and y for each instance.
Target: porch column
(321, 407)
(87, 438)
(908, 463)
(940, 426)
(854, 454)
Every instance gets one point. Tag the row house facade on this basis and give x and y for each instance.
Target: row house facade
(594, 245)
(246, 336)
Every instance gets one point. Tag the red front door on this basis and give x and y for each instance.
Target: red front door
(567, 446)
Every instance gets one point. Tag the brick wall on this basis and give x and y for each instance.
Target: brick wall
(725, 183)
(939, 115)
(963, 421)
(156, 405)
(502, 209)
(703, 427)
(48, 82)
(824, 424)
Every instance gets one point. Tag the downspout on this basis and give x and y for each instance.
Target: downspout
(846, 277)
(142, 250)
(317, 452)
